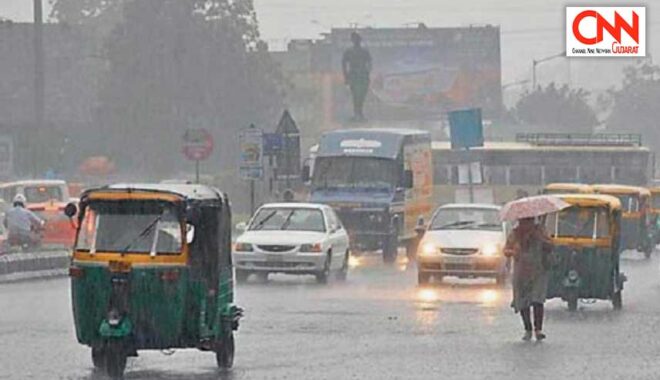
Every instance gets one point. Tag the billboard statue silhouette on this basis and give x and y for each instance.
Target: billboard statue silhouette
(356, 65)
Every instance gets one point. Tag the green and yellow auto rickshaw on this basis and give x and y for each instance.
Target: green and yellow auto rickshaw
(585, 259)
(567, 188)
(151, 270)
(654, 214)
(635, 230)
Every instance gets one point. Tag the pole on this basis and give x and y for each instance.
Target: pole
(196, 171)
(251, 196)
(533, 75)
(286, 155)
(39, 81)
(469, 167)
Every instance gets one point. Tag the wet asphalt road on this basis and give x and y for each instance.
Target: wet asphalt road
(377, 325)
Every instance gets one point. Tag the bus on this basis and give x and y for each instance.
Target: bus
(523, 167)
(380, 183)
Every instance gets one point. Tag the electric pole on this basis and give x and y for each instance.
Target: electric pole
(39, 80)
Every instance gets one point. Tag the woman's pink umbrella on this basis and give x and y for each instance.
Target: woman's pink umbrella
(531, 207)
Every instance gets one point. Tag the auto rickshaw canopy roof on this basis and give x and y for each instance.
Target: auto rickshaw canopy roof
(621, 189)
(579, 187)
(173, 192)
(655, 190)
(591, 200)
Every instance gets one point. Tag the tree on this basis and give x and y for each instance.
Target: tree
(174, 65)
(635, 104)
(555, 109)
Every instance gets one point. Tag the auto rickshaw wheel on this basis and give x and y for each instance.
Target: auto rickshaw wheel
(115, 360)
(617, 300)
(224, 352)
(98, 357)
(572, 302)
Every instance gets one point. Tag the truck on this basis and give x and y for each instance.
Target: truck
(380, 183)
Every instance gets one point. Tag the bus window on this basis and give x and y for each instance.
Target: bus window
(595, 174)
(560, 174)
(441, 174)
(495, 175)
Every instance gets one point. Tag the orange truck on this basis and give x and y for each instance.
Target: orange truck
(46, 198)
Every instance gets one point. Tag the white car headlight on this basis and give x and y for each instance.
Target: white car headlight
(311, 248)
(243, 247)
(490, 250)
(429, 249)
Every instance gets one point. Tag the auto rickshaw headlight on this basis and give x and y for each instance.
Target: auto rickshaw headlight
(429, 249)
(490, 250)
(244, 247)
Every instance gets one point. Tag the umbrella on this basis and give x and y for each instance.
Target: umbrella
(531, 207)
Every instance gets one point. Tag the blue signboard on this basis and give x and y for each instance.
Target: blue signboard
(273, 143)
(466, 128)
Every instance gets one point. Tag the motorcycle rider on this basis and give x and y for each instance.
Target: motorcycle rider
(23, 225)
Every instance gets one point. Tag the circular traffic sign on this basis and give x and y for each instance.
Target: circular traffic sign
(197, 144)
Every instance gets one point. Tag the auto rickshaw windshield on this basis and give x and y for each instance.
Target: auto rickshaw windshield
(578, 222)
(130, 227)
(656, 201)
(629, 202)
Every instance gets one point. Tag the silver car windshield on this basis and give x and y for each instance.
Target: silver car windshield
(288, 219)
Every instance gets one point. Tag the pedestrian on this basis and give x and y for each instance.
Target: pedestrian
(530, 247)
(22, 224)
(356, 66)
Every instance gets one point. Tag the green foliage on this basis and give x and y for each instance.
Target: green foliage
(173, 65)
(635, 104)
(555, 109)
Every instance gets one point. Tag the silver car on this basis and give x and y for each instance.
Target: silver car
(292, 238)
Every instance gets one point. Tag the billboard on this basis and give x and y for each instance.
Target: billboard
(418, 73)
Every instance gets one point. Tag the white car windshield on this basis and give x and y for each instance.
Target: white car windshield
(466, 219)
(288, 219)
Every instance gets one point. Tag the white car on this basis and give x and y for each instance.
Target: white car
(293, 238)
(464, 240)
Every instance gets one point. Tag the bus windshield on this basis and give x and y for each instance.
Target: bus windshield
(575, 222)
(130, 227)
(354, 172)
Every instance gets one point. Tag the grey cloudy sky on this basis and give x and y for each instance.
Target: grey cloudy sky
(530, 28)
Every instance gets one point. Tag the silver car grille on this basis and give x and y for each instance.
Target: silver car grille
(276, 248)
(460, 251)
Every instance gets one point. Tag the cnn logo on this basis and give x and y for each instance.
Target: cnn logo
(606, 31)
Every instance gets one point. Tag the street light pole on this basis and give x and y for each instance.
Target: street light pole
(39, 77)
(536, 62)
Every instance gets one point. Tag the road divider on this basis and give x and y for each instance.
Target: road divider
(34, 265)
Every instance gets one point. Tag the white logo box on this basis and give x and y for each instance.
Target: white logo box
(593, 31)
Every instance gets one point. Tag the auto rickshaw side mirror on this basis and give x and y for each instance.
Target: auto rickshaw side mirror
(70, 210)
(190, 233)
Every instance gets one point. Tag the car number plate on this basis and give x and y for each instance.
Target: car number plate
(276, 258)
(457, 260)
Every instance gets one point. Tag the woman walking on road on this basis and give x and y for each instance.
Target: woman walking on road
(530, 247)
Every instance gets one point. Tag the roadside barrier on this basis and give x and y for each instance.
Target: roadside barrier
(33, 265)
